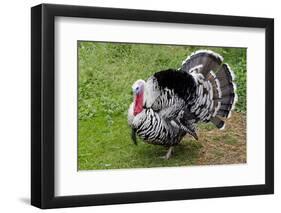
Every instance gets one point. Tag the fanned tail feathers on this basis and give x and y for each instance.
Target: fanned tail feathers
(221, 78)
(228, 90)
(205, 60)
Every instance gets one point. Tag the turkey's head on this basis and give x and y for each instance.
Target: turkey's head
(138, 91)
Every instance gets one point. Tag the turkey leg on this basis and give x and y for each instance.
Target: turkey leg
(169, 153)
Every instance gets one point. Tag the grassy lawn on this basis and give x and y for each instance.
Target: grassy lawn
(106, 73)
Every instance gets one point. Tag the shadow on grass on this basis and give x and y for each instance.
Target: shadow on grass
(184, 154)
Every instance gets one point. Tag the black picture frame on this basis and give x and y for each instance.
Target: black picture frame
(43, 102)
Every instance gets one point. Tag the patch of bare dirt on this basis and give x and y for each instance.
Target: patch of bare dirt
(226, 146)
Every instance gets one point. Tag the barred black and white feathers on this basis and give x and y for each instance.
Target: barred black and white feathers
(173, 101)
(215, 96)
(152, 128)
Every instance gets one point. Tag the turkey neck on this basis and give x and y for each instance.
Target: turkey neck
(138, 106)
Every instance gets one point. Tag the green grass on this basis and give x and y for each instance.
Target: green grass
(106, 73)
(108, 149)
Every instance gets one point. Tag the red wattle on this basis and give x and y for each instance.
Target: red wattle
(138, 104)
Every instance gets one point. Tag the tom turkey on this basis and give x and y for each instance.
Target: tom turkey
(169, 104)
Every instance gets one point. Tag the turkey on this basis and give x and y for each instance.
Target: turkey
(169, 104)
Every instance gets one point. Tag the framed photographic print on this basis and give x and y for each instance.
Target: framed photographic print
(139, 106)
